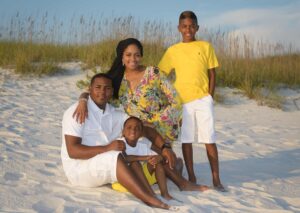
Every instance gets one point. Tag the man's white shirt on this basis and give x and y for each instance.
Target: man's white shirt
(100, 128)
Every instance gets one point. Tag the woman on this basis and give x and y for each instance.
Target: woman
(143, 91)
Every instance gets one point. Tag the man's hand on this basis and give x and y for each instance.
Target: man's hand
(116, 145)
(170, 157)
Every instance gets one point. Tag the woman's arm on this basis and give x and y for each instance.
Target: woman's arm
(159, 142)
(173, 108)
(81, 111)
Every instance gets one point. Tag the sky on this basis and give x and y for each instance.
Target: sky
(268, 20)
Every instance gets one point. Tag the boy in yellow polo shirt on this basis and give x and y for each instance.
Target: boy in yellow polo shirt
(194, 63)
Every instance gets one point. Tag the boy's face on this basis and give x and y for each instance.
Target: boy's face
(132, 131)
(188, 29)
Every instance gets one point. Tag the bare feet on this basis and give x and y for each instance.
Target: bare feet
(154, 202)
(188, 186)
(220, 188)
(167, 196)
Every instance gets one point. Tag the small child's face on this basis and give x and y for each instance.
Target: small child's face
(188, 29)
(132, 131)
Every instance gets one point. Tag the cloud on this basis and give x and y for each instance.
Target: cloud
(277, 24)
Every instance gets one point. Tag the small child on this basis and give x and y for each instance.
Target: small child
(138, 149)
(194, 64)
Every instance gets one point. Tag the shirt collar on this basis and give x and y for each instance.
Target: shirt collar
(93, 106)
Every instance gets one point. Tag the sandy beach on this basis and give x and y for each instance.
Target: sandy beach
(259, 153)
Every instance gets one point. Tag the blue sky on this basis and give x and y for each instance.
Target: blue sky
(270, 20)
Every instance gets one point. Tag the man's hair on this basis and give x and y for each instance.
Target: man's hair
(100, 75)
(134, 118)
(188, 14)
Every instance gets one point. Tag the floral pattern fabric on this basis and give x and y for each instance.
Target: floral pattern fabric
(154, 100)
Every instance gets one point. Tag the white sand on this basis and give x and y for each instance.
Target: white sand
(259, 151)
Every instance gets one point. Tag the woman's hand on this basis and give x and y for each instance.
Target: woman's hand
(170, 157)
(155, 159)
(81, 111)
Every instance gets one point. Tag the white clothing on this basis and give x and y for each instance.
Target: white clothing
(142, 148)
(100, 128)
(198, 121)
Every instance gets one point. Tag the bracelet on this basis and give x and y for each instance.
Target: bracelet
(166, 145)
(83, 99)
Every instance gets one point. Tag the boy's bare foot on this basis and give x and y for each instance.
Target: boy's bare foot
(188, 186)
(167, 197)
(220, 188)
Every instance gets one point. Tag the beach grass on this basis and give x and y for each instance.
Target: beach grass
(37, 45)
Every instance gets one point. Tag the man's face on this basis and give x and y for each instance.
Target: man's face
(132, 131)
(188, 29)
(101, 91)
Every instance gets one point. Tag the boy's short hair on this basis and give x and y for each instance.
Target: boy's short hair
(134, 118)
(188, 14)
(100, 75)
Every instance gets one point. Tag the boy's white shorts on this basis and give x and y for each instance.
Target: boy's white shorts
(198, 122)
(96, 171)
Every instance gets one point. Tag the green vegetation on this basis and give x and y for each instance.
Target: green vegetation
(38, 45)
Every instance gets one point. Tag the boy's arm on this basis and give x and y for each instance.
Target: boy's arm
(132, 158)
(212, 81)
(81, 111)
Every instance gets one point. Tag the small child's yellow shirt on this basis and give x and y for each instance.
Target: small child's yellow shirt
(191, 62)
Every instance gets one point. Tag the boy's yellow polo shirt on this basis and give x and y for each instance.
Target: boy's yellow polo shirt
(191, 62)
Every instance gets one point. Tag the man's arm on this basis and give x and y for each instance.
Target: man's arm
(76, 150)
(159, 142)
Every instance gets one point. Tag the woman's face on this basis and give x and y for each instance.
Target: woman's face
(132, 57)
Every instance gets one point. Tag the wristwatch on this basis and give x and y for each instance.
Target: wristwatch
(166, 145)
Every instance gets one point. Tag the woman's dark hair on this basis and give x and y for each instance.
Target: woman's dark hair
(188, 14)
(116, 72)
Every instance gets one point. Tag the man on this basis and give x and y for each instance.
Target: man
(91, 155)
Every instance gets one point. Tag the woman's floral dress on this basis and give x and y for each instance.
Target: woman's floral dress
(154, 100)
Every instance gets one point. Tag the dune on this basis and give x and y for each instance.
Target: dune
(259, 153)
